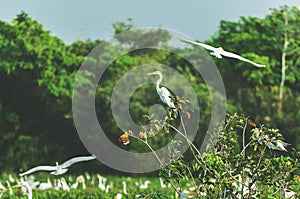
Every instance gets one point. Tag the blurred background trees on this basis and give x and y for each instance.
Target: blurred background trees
(37, 72)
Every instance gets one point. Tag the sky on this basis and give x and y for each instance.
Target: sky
(71, 20)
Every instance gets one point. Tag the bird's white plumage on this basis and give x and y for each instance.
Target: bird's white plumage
(164, 93)
(77, 159)
(281, 145)
(219, 52)
(59, 169)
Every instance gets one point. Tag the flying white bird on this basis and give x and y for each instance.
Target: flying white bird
(59, 169)
(219, 52)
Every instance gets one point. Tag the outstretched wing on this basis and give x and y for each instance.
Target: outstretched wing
(208, 47)
(38, 168)
(235, 56)
(77, 159)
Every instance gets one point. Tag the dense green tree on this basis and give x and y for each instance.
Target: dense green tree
(274, 41)
(37, 74)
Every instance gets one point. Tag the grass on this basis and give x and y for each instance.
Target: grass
(154, 189)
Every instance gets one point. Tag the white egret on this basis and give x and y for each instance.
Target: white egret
(124, 187)
(277, 145)
(62, 184)
(109, 186)
(9, 187)
(2, 189)
(31, 181)
(187, 194)
(219, 52)
(102, 181)
(145, 184)
(289, 194)
(87, 175)
(244, 188)
(59, 169)
(164, 93)
(45, 185)
(11, 178)
(27, 186)
(162, 184)
(118, 196)
(79, 179)
(281, 145)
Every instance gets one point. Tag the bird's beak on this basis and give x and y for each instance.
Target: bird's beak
(16, 186)
(150, 74)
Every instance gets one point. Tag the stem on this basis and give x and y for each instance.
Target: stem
(244, 135)
(283, 64)
(192, 177)
(242, 152)
(190, 143)
(155, 154)
(261, 157)
(161, 164)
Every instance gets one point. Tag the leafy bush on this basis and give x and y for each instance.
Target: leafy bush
(242, 160)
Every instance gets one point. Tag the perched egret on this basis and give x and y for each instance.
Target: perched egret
(289, 194)
(277, 145)
(219, 52)
(187, 194)
(244, 188)
(281, 145)
(164, 93)
(27, 186)
(59, 169)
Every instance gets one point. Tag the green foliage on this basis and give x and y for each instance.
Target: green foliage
(235, 166)
(255, 92)
(37, 72)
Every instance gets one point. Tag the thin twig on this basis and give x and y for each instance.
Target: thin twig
(155, 154)
(191, 143)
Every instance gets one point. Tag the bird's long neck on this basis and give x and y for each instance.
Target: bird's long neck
(29, 190)
(159, 81)
(124, 188)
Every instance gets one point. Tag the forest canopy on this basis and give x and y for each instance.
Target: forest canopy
(37, 73)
